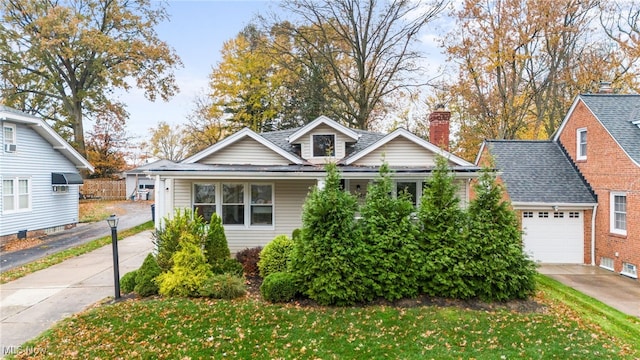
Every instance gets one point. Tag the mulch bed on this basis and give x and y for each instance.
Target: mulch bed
(518, 306)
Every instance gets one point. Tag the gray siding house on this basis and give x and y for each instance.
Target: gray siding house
(258, 183)
(140, 186)
(39, 173)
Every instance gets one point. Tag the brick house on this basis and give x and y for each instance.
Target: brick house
(580, 191)
(601, 133)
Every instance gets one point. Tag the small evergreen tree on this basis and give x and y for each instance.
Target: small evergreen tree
(325, 260)
(497, 266)
(392, 258)
(189, 272)
(146, 275)
(216, 247)
(442, 235)
(167, 239)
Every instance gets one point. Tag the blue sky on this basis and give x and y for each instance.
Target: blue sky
(197, 30)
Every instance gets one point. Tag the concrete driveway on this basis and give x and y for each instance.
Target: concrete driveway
(615, 290)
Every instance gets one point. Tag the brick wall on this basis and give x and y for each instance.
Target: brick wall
(607, 168)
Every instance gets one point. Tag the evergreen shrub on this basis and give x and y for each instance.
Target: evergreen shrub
(279, 287)
(275, 255)
(146, 284)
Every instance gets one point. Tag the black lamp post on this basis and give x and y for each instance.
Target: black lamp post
(113, 224)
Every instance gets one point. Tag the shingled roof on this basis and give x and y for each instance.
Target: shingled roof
(620, 116)
(539, 172)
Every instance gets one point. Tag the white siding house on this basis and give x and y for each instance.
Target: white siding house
(39, 175)
(258, 183)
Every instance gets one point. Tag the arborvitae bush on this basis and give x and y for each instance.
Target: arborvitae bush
(228, 266)
(189, 272)
(128, 282)
(326, 258)
(442, 236)
(167, 239)
(497, 266)
(392, 261)
(146, 284)
(216, 247)
(223, 286)
(249, 260)
(279, 287)
(275, 256)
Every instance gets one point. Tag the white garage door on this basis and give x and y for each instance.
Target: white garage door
(554, 237)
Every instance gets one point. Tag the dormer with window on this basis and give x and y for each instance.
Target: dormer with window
(323, 140)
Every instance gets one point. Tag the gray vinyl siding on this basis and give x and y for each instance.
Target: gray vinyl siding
(399, 152)
(289, 199)
(245, 151)
(36, 159)
(307, 146)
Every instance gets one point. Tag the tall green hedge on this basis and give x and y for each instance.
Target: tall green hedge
(392, 260)
(326, 257)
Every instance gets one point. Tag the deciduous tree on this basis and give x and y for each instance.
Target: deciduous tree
(367, 46)
(64, 57)
(167, 142)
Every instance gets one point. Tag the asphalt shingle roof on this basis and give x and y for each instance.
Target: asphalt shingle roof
(617, 114)
(539, 171)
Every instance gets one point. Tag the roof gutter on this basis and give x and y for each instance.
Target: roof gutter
(538, 205)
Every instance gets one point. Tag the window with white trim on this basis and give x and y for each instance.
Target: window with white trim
(606, 263)
(323, 145)
(261, 204)
(581, 144)
(629, 269)
(618, 210)
(558, 215)
(527, 214)
(204, 200)
(9, 133)
(16, 194)
(543, 214)
(238, 204)
(574, 214)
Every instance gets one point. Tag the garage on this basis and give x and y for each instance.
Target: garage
(554, 236)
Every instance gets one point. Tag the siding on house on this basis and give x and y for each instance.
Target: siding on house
(399, 152)
(607, 169)
(245, 151)
(36, 159)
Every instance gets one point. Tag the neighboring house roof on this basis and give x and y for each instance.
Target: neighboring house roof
(538, 172)
(45, 131)
(141, 169)
(619, 115)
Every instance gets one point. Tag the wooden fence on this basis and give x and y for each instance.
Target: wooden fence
(104, 189)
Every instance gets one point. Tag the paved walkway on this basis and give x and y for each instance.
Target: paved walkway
(615, 290)
(32, 304)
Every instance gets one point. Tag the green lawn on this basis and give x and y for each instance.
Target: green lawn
(249, 328)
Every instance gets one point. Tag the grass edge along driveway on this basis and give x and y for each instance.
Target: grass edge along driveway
(573, 325)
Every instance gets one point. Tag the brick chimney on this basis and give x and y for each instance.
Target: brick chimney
(439, 127)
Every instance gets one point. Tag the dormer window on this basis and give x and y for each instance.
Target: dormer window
(581, 144)
(324, 145)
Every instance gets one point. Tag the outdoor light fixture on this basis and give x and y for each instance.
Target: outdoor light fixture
(113, 224)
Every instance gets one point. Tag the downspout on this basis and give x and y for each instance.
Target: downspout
(593, 235)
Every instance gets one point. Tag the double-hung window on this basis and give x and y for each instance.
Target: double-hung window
(16, 194)
(261, 204)
(581, 144)
(233, 204)
(9, 137)
(618, 209)
(204, 200)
